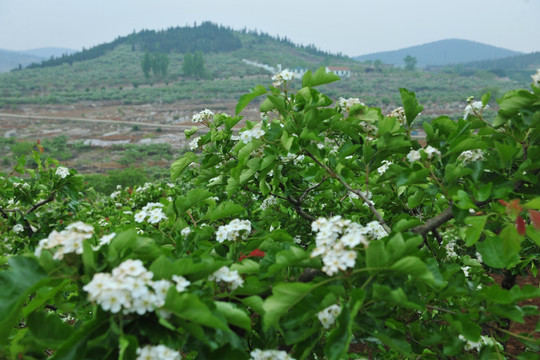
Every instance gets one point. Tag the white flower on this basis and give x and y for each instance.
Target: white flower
(413, 155)
(268, 202)
(140, 216)
(236, 230)
(115, 194)
(159, 352)
(194, 144)
(181, 283)
(62, 172)
(384, 166)
(229, 276)
(106, 239)
(328, 316)
(473, 107)
(471, 155)
(399, 114)
(430, 150)
(254, 133)
(536, 78)
(346, 104)
(203, 116)
(18, 228)
(67, 241)
(283, 76)
(185, 231)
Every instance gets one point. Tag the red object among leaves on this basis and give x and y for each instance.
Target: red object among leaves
(535, 218)
(254, 253)
(520, 225)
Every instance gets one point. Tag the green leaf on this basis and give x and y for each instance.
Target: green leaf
(25, 277)
(499, 251)
(410, 105)
(284, 297)
(339, 339)
(43, 295)
(376, 256)
(246, 99)
(193, 197)
(48, 328)
(473, 233)
(414, 267)
(320, 77)
(255, 303)
(233, 314)
(188, 306)
(406, 224)
(284, 258)
(128, 345)
(533, 204)
(181, 164)
(224, 210)
(286, 140)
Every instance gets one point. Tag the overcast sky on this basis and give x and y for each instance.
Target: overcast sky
(352, 27)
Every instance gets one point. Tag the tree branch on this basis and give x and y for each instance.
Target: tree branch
(368, 202)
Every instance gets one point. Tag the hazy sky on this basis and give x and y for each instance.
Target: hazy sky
(353, 27)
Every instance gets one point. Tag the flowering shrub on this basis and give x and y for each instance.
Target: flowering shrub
(360, 241)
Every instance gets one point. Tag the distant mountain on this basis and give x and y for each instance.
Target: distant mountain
(10, 59)
(440, 53)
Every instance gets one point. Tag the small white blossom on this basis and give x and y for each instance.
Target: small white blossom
(62, 172)
(384, 166)
(399, 114)
(236, 230)
(471, 155)
(185, 231)
(285, 75)
(413, 155)
(346, 104)
(259, 354)
(18, 228)
(474, 107)
(115, 194)
(328, 316)
(67, 241)
(254, 133)
(194, 144)
(268, 202)
(181, 283)
(231, 277)
(203, 116)
(159, 352)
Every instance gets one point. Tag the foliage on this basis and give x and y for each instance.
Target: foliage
(321, 228)
(193, 64)
(410, 62)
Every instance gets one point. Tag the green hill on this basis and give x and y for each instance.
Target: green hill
(112, 72)
(443, 52)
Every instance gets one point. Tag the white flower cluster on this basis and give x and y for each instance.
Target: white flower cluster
(159, 352)
(334, 235)
(328, 316)
(66, 241)
(203, 116)
(154, 212)
(399, 114)
(473, 107)
(367, 127)
(346, 104)
(254, 133)
(285, 75)
(235, 230)
(269, 201)
(194, 144)
(484, 341)
(104, 240)
(536, 79)
(228, 276)
(385, 166)
(185, 231)
(471, 155)
(296, 159)
(62, 172)
(22, 185)
(414, 155)
(18, 228)
(115, 194)
(145, 187)
(259, 354)
(129, 288)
